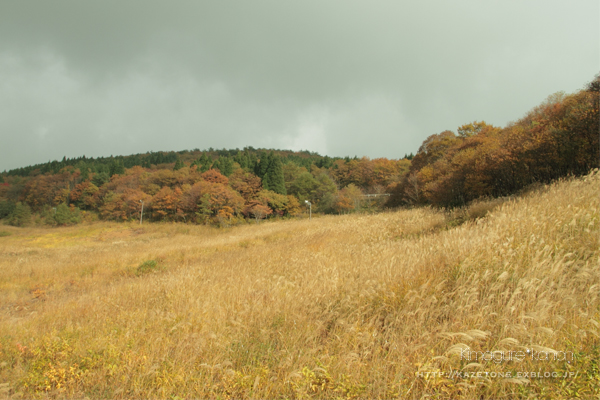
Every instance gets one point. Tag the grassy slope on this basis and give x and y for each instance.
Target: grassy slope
(347, 306)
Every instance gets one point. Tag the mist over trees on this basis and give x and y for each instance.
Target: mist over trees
(557, 138)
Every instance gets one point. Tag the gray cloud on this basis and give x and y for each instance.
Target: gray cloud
(338, 77)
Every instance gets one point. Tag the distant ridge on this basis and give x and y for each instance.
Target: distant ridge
(303, 158)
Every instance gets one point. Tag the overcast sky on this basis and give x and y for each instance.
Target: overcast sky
(366, 78)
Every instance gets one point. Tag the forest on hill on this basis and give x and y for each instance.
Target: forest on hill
(214, 186)
(557, 138)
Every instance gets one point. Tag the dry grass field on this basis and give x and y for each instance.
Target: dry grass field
(358, 306)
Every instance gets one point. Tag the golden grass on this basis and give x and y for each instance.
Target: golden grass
(338, 307)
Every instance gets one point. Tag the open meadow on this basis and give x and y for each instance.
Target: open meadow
(399, 304)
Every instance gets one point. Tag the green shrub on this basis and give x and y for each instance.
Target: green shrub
(66, 215)
(6, 208)
(20, 216)
(147, 267)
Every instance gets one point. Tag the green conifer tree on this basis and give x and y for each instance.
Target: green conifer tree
(85, 173)
(178, 164)
(226, 165)
(274, 179)
(100, 178)
(116, 168)
(204, 162)
(263, 165)
(242, 159)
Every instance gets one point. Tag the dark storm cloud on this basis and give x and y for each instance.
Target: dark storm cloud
(338, 77)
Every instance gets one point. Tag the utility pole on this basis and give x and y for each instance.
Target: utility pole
(309, 209)
(141, 212)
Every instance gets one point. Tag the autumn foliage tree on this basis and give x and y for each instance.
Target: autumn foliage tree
(258, 211)
(555, 139)
(165, 204)
(245, 183)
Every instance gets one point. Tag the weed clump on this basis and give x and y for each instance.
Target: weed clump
(148, 266)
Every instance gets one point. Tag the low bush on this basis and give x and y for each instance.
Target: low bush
(148, 267)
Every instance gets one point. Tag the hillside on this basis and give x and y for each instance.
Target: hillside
(370, 306)
(210, 187)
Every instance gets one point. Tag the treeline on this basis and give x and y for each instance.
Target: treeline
(116, 165)
(556, 139)
(200, 187)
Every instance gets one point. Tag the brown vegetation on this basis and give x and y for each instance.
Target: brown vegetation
(337, 307)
